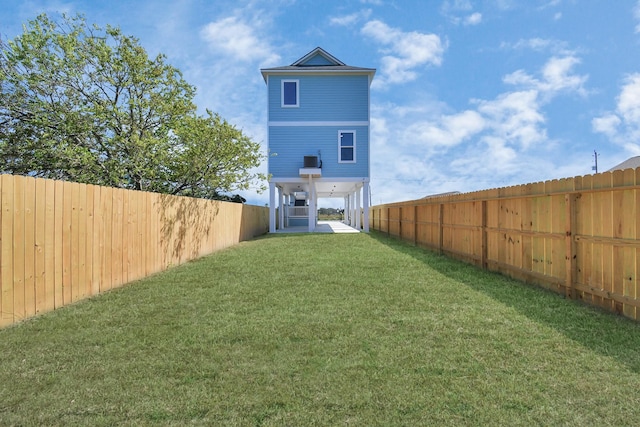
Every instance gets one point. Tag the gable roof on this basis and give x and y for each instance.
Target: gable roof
(317, 52)
(317, 61)
(631, 163)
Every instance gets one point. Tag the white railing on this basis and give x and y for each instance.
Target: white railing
(297, 211)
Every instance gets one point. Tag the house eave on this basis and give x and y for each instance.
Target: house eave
(266, 72)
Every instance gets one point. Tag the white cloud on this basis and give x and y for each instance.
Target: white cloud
(629, 100)
(447, 131)
(607, 124)
(515, 118)
(456, 5)
(348, 20)
(556, 76)
(235, 37)
(453, 9)
(538, 44)
(497, 142)
(473, 19)
(551, 3)
(622, 126)
(403, 51)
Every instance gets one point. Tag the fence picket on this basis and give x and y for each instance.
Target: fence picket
(40, 212)
(6, 256)
(18, 248)
(30, 247)
(49, 245)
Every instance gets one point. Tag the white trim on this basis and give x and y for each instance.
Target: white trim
(340, 132)
(297, 82)
(301, 71)
(365, 206)
(272, 207)
(322, 53)
(318, 123)
(325, 179)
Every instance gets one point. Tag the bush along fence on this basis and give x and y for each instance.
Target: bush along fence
(577, 236)
(61, 242)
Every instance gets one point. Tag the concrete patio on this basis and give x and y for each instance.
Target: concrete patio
(322, 227)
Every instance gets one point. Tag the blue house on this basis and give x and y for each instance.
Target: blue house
(318, 136)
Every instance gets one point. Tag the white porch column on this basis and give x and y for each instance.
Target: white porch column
(312, 205)
(353, 209)
(281, 207)
(287, 203)
(365, 206)
(345, 214)
(347, 209)
(358, 208)
(272, 207)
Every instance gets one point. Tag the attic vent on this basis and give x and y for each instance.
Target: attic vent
(310, 161)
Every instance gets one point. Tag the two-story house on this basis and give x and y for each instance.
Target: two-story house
(318, 137)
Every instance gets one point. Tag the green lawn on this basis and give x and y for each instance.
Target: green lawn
(323, 330)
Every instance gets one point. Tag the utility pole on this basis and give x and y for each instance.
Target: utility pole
(595, 156)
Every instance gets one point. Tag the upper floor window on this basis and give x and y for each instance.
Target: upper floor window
(347, 146)
(290, 95)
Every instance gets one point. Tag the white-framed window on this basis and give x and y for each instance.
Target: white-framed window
(347, 146)
(290, 93)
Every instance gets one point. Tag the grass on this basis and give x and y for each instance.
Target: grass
(318, 330)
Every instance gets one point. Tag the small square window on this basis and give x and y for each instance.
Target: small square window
(347, 146)
(290, 93)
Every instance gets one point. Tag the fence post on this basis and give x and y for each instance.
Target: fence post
(441, 228)
(484, 249)
(570, 249)
(415, 225)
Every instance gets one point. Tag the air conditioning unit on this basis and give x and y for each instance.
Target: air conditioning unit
(310, 161)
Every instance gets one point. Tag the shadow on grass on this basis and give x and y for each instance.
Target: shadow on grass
(600, 331)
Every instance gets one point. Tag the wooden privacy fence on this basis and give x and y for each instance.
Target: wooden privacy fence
(62, 241)
(577, 236)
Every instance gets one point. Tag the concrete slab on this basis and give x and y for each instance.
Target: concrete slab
(334, 227)
(322, 227)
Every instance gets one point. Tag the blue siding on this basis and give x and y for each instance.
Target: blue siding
(318, 60)
(288, 146)
(322, 98)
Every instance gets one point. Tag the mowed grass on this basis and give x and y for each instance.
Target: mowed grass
(322, 330)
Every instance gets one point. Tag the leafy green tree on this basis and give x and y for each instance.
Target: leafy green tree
(87, 104)
(207, 157)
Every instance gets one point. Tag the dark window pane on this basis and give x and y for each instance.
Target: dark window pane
(346, 154)
(290, 89)
(346, 140)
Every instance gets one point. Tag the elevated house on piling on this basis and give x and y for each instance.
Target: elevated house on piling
(318, 137)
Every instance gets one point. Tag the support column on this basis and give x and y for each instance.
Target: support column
(353, 209)
(347, 210)
(281, 207)
(365, 206)
(312, 205)
(272, 207)
(358, 208)
(287, 203)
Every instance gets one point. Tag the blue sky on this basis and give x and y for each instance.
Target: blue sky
(468, 95)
